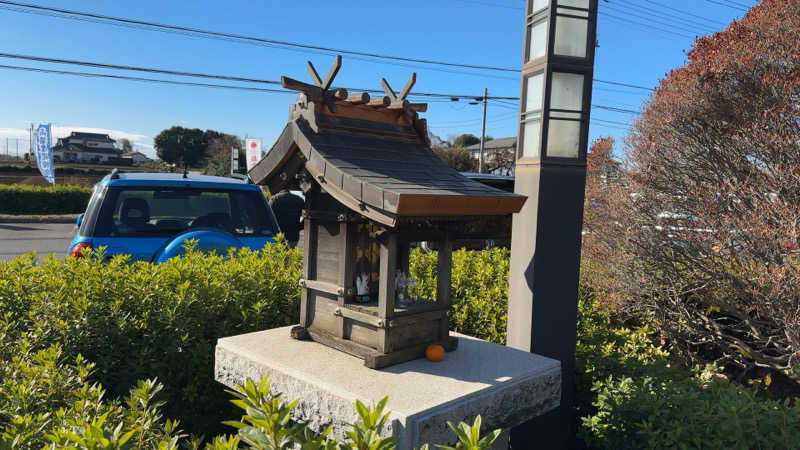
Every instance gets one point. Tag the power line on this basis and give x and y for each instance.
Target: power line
(246, 88)
(686, 12)
(150, 80)
(237, 36)
(611, 122)
(257, 80)
(659, 17)
(618, 83)
(615, 109)
(72, 14)
(731, 5)
(651, 19)
(134, 68)
(647, 26)
(207, 75)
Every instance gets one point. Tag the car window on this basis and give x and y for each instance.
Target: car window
(167, 211)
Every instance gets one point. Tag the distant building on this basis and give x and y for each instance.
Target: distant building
(498, 154)
(86, 148)
(137, 157)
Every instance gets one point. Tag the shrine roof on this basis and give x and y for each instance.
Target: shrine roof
(374, 157)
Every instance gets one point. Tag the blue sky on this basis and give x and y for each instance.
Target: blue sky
(639, 42)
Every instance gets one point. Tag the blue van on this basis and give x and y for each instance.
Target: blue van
(149, 215)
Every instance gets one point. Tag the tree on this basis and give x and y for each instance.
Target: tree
(185, 147)
(602, 252)
(500, 162)
(714, 213)
(465, 140)
(127, 146)
(219, 155)
(457, 158)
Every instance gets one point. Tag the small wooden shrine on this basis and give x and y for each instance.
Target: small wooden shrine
(374, 190)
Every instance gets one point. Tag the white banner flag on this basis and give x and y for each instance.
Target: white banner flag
(253, 152)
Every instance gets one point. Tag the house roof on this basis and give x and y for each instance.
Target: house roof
(373, 156)
(92, 136)
(494, 144)
(135, 154)
(68, 147)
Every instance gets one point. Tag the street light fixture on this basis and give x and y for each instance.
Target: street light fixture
(557, 66)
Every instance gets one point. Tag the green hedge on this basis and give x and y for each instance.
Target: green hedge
(30, 199)
(133, 321)
(136, 321)
(632, 395)
(479, 289)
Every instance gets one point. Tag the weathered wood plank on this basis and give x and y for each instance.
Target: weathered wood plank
(404, 321)
(445, 264)
(407, 87)
(323, 286)
(312, 72)
(365, 126)
(379, 360)
(334, 69)
(360, 333)
(386, 289)
(366, 318)
(324, 306)
(309, 267)
(418, 334)
(313, 92)
(344, 345)
(358, 98)
(380, 101)
(346, 269)
(399, 105)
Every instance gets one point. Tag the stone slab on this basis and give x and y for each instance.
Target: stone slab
(505, 386)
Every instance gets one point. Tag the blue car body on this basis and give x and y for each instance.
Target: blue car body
(243, 216)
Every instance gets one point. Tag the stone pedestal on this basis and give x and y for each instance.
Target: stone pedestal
(505, 386)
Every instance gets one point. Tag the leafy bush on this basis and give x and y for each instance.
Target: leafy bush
(479, 289)
(631, 394)
(43, 399)
(30, 199)
(138, 320)
(713, 159)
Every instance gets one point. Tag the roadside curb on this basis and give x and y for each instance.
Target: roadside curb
(69, 218)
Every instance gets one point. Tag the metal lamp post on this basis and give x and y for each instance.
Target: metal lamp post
(556, 90)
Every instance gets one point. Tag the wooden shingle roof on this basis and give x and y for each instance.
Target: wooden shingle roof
(374, 157)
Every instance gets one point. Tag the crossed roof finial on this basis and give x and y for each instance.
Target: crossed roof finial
(337, 64)
(320, 90)
(399, 100)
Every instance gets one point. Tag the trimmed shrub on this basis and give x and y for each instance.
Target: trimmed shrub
(30, 199)
(138, 320)
(632, 395)
(479, 289)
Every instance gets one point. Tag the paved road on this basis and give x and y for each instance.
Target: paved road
(19, 238)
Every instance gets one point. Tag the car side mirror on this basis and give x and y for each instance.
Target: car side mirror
(78, 219)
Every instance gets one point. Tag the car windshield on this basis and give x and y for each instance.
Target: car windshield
(141, 212)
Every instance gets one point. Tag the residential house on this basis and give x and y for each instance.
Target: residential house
(498, 155)
(86, 148)
(137, 157)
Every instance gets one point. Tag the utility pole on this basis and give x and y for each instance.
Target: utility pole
(483, 131)
(17, 148)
